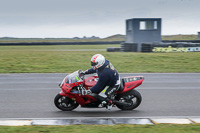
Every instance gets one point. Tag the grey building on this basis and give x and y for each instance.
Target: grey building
(143, 30)
(198, 35)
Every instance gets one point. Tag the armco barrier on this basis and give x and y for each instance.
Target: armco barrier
(59, 43)
(176, 47)
(161, 47)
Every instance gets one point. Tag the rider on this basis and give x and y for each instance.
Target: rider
(108, 81)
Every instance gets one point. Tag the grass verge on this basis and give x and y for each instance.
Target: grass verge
(68, 58)
(162, 128)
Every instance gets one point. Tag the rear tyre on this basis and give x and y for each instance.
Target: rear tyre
(64, 103)
(133, 97)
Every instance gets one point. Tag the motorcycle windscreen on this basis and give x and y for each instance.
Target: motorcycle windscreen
(72, 78)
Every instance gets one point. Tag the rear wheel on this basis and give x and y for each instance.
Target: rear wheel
(133, 97)
(64, 103)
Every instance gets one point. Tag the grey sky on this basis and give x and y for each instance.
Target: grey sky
(67, 18)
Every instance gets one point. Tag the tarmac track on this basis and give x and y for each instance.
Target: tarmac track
(164, 95)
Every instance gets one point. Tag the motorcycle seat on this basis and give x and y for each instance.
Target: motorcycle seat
(121, 88)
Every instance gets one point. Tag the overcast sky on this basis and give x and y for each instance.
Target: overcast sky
(78, 18)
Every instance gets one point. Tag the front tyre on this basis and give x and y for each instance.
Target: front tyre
(133, 97)
(64, 103)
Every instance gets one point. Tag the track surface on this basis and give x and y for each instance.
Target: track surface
(32, 95)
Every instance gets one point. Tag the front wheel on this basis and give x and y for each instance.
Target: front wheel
(64, 103)
(133, 97)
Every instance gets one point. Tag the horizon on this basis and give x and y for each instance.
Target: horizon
(87, 37)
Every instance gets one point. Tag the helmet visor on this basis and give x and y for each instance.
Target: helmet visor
(93, 63)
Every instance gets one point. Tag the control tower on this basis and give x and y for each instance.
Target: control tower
(143, 30)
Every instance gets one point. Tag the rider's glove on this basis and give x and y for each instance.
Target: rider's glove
(83, 72)
(83, 91)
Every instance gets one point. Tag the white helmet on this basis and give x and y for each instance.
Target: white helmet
(97, 61)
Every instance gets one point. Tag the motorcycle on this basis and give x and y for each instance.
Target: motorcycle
(125, 98)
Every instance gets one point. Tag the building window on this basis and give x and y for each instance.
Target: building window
(129, 25)
(148, 25)
(155, 26)
(142, 25)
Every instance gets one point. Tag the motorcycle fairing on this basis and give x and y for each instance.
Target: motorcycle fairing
(90, 82)
(132, 82)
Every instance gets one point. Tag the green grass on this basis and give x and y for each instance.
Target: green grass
(180, 37)
(162, 128)
(68, 58)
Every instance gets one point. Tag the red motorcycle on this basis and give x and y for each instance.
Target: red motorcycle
(126, 98)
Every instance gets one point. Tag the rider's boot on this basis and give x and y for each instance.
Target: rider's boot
(107, 102)
(109, 105)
